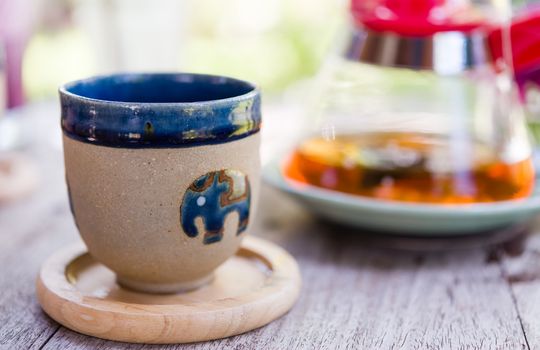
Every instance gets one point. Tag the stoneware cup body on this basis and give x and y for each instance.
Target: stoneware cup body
(162, 172)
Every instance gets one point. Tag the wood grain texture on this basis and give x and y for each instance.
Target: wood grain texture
(357, 293)
(521, 268)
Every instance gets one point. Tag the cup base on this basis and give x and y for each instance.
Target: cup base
(163, 288)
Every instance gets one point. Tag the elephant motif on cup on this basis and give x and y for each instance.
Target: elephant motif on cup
(212, 197)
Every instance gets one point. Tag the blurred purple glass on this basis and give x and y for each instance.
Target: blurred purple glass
(16, 24)
(525, 79)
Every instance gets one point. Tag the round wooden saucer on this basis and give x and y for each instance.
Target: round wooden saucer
(254, 287)
(18, 177)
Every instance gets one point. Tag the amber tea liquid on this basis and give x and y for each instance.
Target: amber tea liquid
(410, 167)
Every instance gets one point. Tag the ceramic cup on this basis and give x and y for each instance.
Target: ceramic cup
(162, 173)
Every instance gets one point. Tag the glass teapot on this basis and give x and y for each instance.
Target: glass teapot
(418, 109)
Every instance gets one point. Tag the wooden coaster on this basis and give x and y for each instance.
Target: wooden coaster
(18, 177)
(254, 287)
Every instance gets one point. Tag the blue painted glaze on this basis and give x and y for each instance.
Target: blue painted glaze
(159, 110)
(212, 197)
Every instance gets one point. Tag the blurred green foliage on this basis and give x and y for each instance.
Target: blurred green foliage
(273, 43)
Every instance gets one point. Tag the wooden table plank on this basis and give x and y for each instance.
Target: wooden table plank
(522, 271)
(357, 293)
(30, 230)
(356, 296)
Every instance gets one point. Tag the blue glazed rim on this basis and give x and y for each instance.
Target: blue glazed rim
(150, 110)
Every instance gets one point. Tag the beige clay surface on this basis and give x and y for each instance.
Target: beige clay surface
(127, 208)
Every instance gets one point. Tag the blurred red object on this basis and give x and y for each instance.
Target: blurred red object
(525, 39)
(415, 17)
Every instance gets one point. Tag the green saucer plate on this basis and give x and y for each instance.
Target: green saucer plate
(401, 217)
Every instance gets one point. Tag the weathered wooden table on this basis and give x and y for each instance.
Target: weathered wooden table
(360, 290)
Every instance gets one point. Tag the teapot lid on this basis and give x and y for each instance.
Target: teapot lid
(418, 18)
(448, 37)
